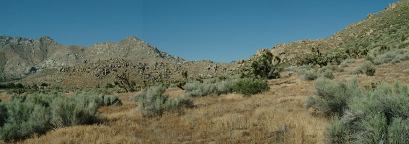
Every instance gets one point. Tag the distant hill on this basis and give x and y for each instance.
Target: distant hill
(46, 61)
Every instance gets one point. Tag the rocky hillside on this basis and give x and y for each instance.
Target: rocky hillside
(46, 61)
(380, 31)
(20, 56)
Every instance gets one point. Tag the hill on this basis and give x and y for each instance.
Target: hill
(379, 32)
(34, 62)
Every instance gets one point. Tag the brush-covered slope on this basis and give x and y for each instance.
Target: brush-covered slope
(385, 30)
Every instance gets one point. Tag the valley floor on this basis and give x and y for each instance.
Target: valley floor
(276, 116)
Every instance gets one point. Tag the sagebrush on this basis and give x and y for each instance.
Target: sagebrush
(153, 102)
(37, 113)
(377, 115)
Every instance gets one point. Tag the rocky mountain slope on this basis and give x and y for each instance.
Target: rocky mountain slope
(380, 31)
(45, 61)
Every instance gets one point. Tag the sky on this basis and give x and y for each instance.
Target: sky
(218, 30)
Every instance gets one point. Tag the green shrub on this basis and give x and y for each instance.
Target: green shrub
(376, 116)
(38, 113)
(367, 68)
(308, 74)
(263, 66)
(393, 56)
(398, 131)
(331, 97)
(204, 89)
(346, 62)
(338, 133)
(152, 102)
(75, 110)
(249, 86)
(24, 119)
(328, 74)
(315, 57)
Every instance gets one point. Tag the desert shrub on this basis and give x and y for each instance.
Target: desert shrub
(398, 131)
(248, 86)
(328, 74)
(110, 100)
(25, 115)
(308, 74)
(334, 56)
(152, 102)
(346, 62)
(337, 133)
(75, 110)
(208, 88)
(178, 103)
(385, 58)
(392, 56)
(375, 116)
(331, 98)
(366, 68)
(263, 66)
(24, 119)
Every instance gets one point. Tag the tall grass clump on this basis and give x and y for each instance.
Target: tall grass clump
(366, 68)
(153, 102)
(367, 116)
(249, 86)
(37, 113)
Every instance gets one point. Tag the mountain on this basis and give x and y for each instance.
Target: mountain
(21, 56)
(45, 61)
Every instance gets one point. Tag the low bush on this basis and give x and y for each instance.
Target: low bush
(366, 68)
(394, 56)
(79, 109)
(398, 131)
(331, 98)
(204, 89)
(346, 62)
(266, 65)
(308, 74)
(327, 74)
(38, 113)
(377, 115)
(248, 86)
(153, 102)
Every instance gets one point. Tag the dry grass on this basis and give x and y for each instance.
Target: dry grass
(4, 96)
(276, 116)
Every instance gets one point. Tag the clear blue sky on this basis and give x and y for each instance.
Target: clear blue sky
(219, 30)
